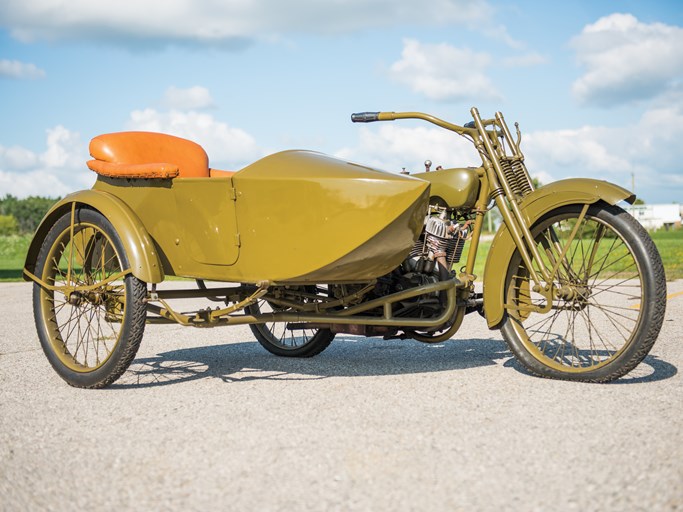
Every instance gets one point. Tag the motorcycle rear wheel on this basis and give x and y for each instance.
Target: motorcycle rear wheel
(609, 301)
(287, 340)
(91, 336)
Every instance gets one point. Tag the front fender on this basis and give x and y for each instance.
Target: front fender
(534, 206)
(140, 249)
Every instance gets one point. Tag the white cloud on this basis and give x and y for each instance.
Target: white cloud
(443, 72)
(56, 171)
(193, 98)
(20, 70)
(17, 158)
(225, 145)
(500, 33)
(579, 150)
(391, 147)
(63, 149)
(222, 22)
(626, 60)
(648, 149)
(35, 183)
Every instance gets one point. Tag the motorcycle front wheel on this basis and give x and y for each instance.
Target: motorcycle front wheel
(89, 326)
(609, 296)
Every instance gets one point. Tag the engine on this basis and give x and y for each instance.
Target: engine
(441, 238)
(437, 249)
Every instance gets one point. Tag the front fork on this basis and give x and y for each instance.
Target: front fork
(543, 279)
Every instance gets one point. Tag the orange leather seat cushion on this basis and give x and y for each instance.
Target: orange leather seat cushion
(147, 155)
(157, 170)
(217, 173)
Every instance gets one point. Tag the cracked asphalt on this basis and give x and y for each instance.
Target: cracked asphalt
(207, 419)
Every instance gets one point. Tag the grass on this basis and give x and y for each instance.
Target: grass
(13, 250)
(670, 244)
(482, 253)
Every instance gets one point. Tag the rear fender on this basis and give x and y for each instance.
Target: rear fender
(560, 193)
(140, 249)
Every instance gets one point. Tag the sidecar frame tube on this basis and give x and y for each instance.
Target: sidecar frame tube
(348, 316)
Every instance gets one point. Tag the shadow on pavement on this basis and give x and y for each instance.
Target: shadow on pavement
(652, 369)
(347, 356)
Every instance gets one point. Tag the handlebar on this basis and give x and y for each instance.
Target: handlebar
(365, 117)
(370, 117)
(483, 133)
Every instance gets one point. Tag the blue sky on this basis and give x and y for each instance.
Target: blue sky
(596, 86)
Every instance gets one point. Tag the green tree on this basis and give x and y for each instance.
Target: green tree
(8, 225)
(28, 212)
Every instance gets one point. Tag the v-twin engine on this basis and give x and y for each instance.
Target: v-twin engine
(441, 238)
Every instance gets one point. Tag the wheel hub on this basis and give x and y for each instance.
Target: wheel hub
(576, 294)
(77, 298)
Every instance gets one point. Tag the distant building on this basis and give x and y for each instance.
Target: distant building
(657, 216)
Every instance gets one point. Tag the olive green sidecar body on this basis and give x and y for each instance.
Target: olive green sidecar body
(292, 217)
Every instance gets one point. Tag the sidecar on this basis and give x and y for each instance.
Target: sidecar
(291, 217)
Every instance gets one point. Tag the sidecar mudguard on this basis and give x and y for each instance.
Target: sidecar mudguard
(142, 254)
(534, 206)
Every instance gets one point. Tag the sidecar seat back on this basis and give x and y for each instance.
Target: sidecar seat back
(147, 155)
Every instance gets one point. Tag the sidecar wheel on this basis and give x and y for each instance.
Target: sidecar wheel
(278, 338)
(609, 300)
(89, 335)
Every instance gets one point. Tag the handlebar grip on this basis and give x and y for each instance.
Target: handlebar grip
(365, 117)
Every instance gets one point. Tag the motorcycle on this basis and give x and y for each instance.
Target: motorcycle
(306, 246)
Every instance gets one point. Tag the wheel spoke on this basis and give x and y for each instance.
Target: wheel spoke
(608, 309)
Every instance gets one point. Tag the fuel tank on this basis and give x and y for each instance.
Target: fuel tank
(456, 188)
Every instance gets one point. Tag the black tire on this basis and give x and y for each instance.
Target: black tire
(89, 337)
(610, 302)
(280, 339)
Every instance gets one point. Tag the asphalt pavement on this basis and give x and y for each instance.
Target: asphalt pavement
(205, 419)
